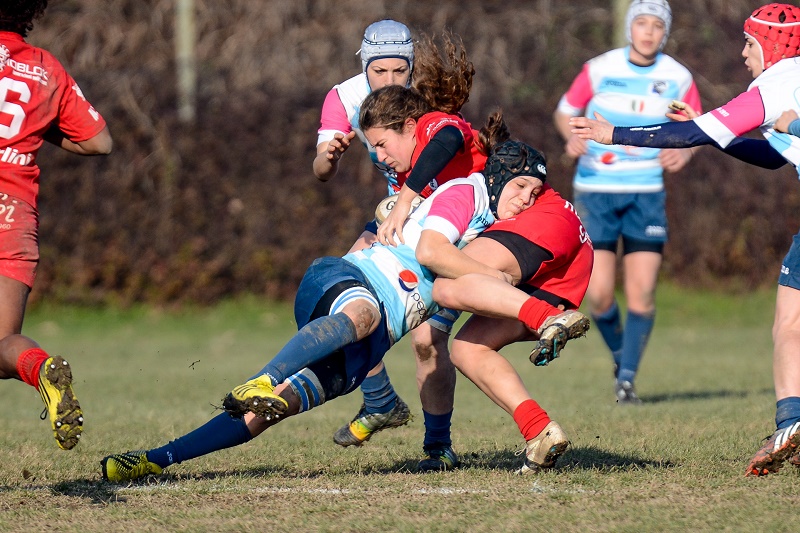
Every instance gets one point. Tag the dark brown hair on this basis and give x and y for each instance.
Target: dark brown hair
(18, 15)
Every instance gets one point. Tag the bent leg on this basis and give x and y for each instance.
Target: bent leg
(13, 300)
(474, 353)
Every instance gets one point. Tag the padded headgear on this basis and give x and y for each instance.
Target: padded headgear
(506, 162)
(657, 8)
(776, 28)
(386, 38)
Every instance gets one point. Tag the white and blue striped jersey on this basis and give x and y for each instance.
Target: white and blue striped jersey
(626, 95)
(401, 283)
(779, 89)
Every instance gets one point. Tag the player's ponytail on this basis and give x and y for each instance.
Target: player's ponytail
(493, 133)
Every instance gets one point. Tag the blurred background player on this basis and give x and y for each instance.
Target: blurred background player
(771, 50)
(619, 191)
(38, 101)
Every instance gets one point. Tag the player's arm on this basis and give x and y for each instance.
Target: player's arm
(574, 146)
(441, 149)
(334, 137)
(756, 152)
(447, 221)
(100, 144)
(572, 104)
(326, 162)
(436, 252)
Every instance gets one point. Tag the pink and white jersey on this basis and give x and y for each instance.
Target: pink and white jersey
(459, 210)
(340, 115)
(35, 94)
(626, 95)
(774, 91)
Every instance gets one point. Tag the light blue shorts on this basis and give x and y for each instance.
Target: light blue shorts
(790, 269)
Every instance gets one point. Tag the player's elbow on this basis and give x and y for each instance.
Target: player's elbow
(106, 146)
(100, 144)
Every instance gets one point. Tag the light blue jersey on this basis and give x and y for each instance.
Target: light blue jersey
(401, 284)
(625, 95)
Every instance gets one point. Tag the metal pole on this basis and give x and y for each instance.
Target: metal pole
(619, 10)
(185, 59)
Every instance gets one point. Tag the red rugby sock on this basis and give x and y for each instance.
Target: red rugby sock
(530, 418)
(535, 311)
(28, 364)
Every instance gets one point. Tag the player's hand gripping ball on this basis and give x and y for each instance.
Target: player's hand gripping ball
(387, 204)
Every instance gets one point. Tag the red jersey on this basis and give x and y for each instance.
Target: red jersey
(551, 222)
(35, 94)
(466, 161)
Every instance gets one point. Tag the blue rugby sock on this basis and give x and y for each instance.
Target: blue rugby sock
(635, 337)
(314, 342)
(222, 431)
(437, 429)
(379, 395)
(787, 412)
(609, 325)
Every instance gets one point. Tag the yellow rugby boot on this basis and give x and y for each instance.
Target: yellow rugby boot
(128, 466)
(61, 405)
(257, 397)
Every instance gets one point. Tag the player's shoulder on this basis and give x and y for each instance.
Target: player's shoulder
(668, 62)
(352, 91)
(617, 55)
(433, 121)
(357, 83)
(27, 58)
(550, 202)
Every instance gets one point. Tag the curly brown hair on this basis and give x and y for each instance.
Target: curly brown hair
(441, 82)
(443, 74)
(18, 15)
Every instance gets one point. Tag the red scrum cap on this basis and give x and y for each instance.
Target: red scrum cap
(776, 28)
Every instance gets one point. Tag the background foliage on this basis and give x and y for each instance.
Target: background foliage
(229, 204)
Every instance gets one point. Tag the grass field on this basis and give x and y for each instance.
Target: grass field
(145, 376)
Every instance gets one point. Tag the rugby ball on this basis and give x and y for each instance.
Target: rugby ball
(387, 204)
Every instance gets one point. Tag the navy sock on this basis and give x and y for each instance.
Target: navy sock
(379, 395)
(222, 431)
(314, 342)
(637, 333)
(787, 412)
(437, 429)
(609, 325)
